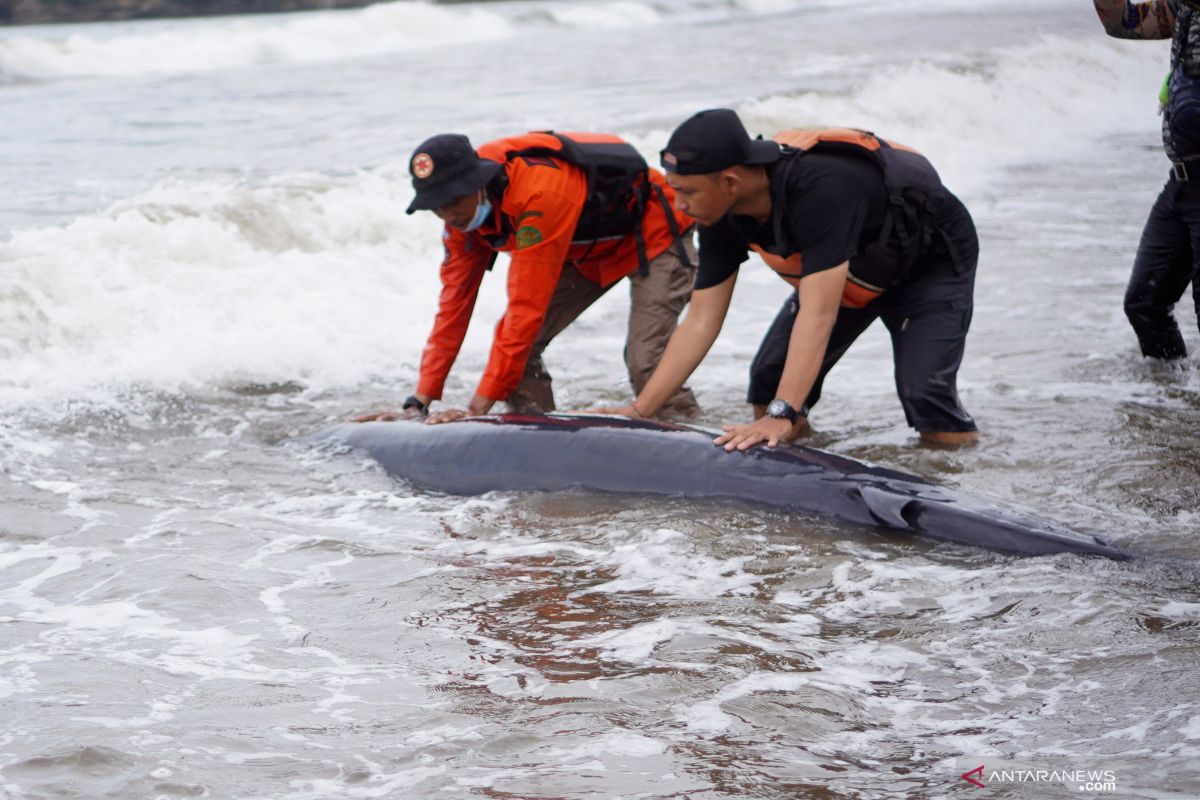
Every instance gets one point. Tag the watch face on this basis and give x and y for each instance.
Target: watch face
(777, 408)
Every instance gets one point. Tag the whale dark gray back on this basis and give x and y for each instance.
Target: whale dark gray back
(520, 452)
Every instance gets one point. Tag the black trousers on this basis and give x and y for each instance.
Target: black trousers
(927, 316)
(1165, 264)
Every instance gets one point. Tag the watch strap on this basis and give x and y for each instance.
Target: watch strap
(412, 401)
(786, 412)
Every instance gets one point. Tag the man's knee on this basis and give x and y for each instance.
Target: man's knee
(535, 393)
(641, 361)
(764, 381)
(1156, 329)
(1143, 313)
(657, 300)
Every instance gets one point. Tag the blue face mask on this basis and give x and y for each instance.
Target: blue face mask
(482, 212)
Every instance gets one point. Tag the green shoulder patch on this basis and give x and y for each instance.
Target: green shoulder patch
(527, 236)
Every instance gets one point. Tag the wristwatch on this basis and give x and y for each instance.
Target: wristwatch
(782, 409)
(412, 402)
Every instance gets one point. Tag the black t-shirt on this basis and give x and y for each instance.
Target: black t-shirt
(832, 205)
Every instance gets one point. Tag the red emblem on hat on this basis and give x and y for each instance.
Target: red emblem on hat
(422, 165)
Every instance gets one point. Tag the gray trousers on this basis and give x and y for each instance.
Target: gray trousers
(655, 302)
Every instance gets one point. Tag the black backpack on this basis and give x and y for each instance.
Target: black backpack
(1183, 113)
(618, 186)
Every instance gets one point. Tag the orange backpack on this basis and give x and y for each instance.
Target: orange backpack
(914, 191)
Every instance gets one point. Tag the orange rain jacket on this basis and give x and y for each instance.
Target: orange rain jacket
(542, 204)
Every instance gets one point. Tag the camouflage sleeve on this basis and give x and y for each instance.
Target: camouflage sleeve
(1137, 19)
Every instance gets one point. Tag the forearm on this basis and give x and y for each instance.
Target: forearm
(806, 352)
(820, 299)
(1136, 19)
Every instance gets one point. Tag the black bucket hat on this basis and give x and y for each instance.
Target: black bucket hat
(446, 167)
(713, 140)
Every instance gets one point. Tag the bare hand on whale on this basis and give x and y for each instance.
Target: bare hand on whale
(388, 416)
(771, 430)
(447, 415)
(736, 437)
(627, 410)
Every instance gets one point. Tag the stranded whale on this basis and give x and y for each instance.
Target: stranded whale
(618, 454)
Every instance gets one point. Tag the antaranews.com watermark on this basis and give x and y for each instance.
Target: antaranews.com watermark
(986, 772)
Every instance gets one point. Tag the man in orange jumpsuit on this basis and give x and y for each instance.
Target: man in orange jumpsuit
(573, 231)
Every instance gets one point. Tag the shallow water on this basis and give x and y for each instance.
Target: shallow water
(204, 258)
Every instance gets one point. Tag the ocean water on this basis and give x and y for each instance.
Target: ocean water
(204, 257)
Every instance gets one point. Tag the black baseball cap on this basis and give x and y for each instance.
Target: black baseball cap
(713, 140)
(446, 167)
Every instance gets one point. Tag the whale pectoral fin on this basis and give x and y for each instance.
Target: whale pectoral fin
(886, 507)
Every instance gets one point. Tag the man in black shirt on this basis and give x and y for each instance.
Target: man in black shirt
(862, 229)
